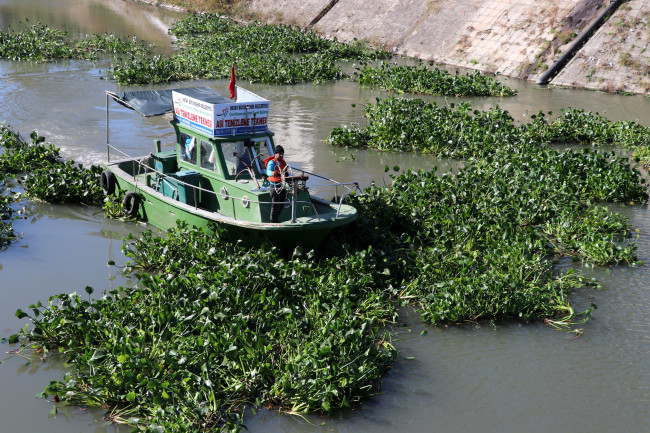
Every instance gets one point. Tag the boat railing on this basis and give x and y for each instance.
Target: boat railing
(141, 166)
(338, 198)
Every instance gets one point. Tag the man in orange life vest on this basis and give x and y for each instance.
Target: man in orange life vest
(275, 168)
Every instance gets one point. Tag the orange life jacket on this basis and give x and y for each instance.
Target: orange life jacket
(280, 165)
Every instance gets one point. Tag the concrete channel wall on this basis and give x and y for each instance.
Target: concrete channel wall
(617, 57)
(518, 38)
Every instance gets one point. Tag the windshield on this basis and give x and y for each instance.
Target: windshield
(239, 155)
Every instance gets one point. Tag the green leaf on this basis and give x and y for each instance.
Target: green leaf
(97, 358)
(130, 396)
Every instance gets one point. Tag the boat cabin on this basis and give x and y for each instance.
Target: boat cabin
(218, 163)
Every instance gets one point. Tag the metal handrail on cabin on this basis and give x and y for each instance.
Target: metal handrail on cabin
(146, 167)
(336, 184)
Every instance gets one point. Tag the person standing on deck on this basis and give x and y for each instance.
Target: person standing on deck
(276, 169)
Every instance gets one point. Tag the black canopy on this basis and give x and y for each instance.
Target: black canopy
(157, 102)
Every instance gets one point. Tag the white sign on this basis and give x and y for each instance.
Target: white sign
(247, 114)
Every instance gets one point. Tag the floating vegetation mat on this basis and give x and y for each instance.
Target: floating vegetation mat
(273, 54)
(414, 125)
(586, 127)
(44, 176)
(7, 198)
(40, 43)
(47, 176)
(208, 46)
(426, 81)
(212, 329)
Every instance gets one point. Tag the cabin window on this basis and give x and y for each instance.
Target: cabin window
(268, 145)
(260, 147)
(208, 156)
(236, 156)
(188, 148)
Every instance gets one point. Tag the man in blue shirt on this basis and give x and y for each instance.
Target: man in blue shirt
(276, 169)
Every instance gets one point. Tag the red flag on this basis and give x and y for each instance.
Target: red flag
(231, 86)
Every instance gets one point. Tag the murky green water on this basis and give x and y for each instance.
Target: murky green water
(508, 378)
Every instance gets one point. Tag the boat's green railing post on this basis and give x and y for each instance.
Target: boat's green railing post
(158, 145)
(108, 147)
(293, 201)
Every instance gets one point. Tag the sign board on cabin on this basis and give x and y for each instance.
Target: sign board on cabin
(247, 114)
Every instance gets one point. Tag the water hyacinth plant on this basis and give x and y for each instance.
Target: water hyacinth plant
(47, 176)
(198, 29)
(413, 125)
(36, 43)
(458, 131)
(65, 183)
(215, 329)
(20, 156)
(7, 234)
(585, 127)
(481, 244)
(114, 207)
(7, 198)
(41, 43)
(426, 81)
(212, 328)
(271, 54)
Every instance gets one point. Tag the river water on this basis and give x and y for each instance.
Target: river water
(493, 378)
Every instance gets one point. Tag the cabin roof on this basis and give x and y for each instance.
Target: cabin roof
(157, 102)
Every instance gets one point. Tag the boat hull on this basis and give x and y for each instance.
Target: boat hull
(164, 212)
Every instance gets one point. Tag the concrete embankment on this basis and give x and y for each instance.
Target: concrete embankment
(518, 38)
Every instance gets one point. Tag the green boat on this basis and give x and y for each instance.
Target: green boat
(216, 171)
